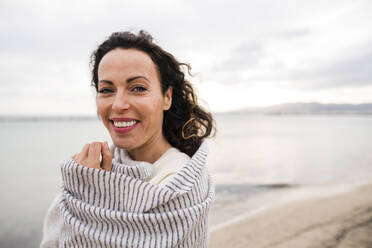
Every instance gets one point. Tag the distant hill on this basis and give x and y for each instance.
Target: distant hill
(312, 108)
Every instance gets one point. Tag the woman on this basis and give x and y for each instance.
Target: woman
(151, 188)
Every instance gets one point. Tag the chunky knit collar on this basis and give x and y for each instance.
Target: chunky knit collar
(123, 164)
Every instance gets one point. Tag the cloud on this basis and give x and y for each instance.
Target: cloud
(298, 65)
(352, 69)
(295, 33)
(243, 57)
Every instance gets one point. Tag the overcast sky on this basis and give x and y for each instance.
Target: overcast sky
(243, 53)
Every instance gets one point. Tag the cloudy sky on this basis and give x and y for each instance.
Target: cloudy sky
(243, 53)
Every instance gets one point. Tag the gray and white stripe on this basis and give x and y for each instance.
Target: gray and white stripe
(120, 209)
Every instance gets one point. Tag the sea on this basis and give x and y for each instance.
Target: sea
(249, 156)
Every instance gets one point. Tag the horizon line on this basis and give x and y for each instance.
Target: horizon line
(90, 116)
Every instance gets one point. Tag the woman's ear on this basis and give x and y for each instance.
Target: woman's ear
(168, 98)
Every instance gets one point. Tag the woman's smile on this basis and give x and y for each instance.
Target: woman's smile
(123, 125)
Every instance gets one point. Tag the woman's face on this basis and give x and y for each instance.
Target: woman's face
(129, 99)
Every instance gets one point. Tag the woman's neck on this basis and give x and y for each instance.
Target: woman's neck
(151, 151)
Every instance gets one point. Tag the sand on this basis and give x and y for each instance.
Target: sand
(340, 219)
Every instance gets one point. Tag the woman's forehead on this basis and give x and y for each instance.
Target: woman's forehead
(128, 62)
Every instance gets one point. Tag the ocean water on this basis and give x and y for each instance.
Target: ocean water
(292, 149)
(251, 154)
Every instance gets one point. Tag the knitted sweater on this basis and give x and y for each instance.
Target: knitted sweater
(121, 208)
(162, 170)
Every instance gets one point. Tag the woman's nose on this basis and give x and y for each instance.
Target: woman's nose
(121, 102)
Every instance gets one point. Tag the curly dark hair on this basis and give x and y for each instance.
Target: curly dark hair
(185, 124)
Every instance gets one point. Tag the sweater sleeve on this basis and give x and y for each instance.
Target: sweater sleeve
(52, 226)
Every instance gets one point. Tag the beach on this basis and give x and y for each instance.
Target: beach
(340, 217)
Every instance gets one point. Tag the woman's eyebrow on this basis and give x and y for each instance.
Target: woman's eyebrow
(106, 81)
(136, 77)
(129, 80)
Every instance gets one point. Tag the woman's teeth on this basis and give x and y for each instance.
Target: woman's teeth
(124, 123)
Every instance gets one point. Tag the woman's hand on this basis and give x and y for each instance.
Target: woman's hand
(89, 156)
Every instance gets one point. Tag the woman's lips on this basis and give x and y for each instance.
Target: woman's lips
(123, 125)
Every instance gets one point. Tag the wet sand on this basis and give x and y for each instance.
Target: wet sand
(342, 219)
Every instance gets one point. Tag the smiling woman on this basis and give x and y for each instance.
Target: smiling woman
(131, 103)
(152, 188)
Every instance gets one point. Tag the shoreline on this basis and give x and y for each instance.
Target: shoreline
(309, 216)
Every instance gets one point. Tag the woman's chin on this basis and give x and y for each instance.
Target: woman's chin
(123, 144)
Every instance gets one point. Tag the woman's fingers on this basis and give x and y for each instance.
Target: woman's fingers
(74, 157)
(90, 156)
(82, 155)
(106, 157)
(94, 154)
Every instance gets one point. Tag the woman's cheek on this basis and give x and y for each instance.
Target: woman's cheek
(102, 106)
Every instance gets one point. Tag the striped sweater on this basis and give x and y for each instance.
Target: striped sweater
(121, 209)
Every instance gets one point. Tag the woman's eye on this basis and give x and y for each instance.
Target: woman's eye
(103, 91)
(139, 89)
